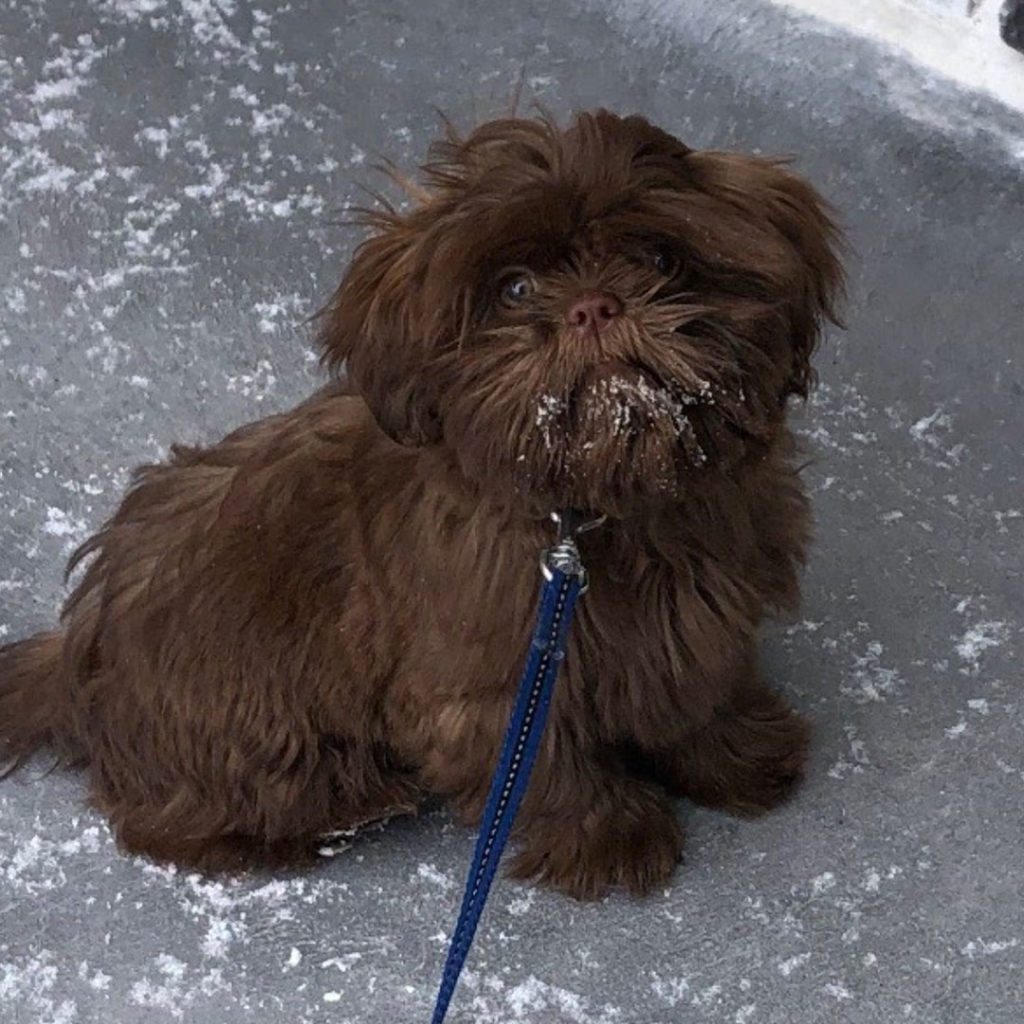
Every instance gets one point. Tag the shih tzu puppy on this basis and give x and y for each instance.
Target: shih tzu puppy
(322, 619)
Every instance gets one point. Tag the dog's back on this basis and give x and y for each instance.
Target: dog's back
(42, 677)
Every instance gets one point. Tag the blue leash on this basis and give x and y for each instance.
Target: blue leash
(564, 582)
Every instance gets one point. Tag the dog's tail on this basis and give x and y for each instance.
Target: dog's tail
(35, 707)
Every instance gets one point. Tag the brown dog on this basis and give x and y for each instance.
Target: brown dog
(323, 618)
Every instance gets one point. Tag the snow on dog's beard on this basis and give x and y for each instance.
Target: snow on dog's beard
(590, 317)
(604, 422)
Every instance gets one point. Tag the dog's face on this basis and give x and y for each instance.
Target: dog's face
(588, 317)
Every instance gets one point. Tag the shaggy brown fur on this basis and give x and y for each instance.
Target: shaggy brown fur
(322, 618)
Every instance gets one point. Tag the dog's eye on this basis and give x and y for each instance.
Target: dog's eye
(665, 262)
(516, 287)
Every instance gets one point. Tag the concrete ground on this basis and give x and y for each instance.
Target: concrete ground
(171, 179)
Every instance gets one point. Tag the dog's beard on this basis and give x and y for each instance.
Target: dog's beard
(607, 424)
(624, 418)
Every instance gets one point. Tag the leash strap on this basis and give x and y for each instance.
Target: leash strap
(565, 581)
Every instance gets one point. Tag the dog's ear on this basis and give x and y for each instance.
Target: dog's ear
(374, 331)
(650, 141)
(807, 269)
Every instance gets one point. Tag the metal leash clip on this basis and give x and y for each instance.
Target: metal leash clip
(564, 555)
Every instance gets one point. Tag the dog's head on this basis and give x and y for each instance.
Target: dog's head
(588, 317)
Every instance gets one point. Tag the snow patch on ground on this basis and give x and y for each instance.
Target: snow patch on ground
(30, 980)
(945, 58)
(964, 48)
(872, 679)
(494, 1000)
(977, 640)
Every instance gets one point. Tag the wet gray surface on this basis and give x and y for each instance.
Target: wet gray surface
(171, 175)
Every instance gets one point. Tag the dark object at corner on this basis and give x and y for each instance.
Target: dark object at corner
(1011, 24)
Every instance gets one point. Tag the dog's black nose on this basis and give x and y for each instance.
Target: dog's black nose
(594, 311)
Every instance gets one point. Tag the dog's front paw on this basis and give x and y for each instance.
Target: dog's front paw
(633, 844)
(748, 760)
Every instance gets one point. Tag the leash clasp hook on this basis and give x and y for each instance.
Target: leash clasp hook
(564, 555)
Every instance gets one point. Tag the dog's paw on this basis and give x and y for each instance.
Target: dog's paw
(629, 847)
(751, 761)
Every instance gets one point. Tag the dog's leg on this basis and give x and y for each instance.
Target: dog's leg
(584, 828)
(230, 853)
(255, 813)
(585, 823)
(747, 758)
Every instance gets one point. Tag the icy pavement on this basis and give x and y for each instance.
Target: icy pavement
(171, 175)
